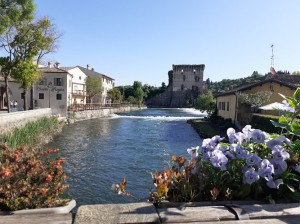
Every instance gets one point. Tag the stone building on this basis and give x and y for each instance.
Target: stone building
(185, 85)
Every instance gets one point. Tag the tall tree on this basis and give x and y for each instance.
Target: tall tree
(24, 42)
(138, 92)
(93, 87)
(115, 95)
(26, 73)
(12, 13)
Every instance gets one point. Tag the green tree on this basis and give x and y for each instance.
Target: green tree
(24, 42)
(138, 92)
(26, 73)
(93, 87)
(115, 95)
(14, 11)
(206, 103)
(296, 73)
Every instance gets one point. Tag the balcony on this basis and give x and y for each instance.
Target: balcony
(79, 93)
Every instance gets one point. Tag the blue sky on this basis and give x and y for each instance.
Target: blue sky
(139, 40)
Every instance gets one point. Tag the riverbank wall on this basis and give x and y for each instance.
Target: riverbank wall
(9, 121)
(74, 116)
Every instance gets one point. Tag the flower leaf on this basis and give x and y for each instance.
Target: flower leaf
(283, 120)
(297, 94)
(295, 128)
(279, 125)
(292, 189)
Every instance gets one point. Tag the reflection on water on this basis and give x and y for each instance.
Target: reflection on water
(100, 152)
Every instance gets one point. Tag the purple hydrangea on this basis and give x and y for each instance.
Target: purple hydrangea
(274, 183)
(250, 176)
(253, 160)
(266, 170)
(239, 151)
(193, 151)
(279, 166)
(279, 154)
(218, 159)
(258, 136)
(297, 168)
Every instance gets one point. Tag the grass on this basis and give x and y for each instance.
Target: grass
(33, 134)
(205, 128)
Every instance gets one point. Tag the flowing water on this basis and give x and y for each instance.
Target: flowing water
(100, 152)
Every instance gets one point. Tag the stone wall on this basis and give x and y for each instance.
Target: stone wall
(173, 99)
(9, 121)
(89, 114)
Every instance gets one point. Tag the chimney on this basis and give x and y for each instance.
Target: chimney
(57, 64)
(87, 66)
(49, 64)
(92, 69)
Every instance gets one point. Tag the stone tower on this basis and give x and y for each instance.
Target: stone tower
(185, 85)
(187, 77)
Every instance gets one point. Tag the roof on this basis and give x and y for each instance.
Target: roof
(272, 106)
(89, 72)
(52, 70)
(290, 81)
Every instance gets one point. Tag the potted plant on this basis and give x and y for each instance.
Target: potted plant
(32, 179)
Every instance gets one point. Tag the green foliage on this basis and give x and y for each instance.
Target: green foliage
(14, 11)
(30, 178)
(227, 84)
(32, 134)
(93, 87)
(115, 95)
(206, 103)
(254, 99)
(262, 122)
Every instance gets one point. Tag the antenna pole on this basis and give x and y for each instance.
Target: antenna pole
(272, 57)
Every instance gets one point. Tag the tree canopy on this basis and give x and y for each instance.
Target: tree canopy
(93, 87)
(206, 103)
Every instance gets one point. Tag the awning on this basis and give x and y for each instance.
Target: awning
(272, 106)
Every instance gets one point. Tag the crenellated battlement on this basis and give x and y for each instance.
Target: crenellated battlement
(188, 68)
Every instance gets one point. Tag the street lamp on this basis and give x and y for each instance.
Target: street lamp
(49, 87)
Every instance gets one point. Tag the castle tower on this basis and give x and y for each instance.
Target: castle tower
(187, 77)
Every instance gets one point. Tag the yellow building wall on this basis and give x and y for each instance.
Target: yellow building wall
(229, 100)
(275, 88)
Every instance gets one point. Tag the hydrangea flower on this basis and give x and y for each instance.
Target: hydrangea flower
(259, 136)
(250, 176)
(193, 151)
(218, 159)
(266, 170)
(240, 152)
(274, 183)
(279, 154)
(253, 160)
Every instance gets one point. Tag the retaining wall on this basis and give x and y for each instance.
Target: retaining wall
(9, 121)
(104, 112)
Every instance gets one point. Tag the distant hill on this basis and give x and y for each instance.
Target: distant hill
(227, 84)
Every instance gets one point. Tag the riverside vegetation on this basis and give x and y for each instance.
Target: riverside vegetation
(31, 177)
(252, 164)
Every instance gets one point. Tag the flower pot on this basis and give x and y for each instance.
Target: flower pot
(56, 210)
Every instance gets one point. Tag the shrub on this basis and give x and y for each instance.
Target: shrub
(30, 179)
(263, 123)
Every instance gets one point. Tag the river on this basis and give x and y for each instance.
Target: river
(100, 152)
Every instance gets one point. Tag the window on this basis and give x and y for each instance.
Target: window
(43, 82)
(22, 96)
(41, 96)
(182, 87)
(227, 106)
(79, 77)
(223, 105)
(58, 81)
(183, 77)
(58, 96)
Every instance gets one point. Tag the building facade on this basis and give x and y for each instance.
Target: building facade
(185, 85)
(228, 105)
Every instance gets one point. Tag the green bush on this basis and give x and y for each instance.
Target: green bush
(263, 122)
(33, 133)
